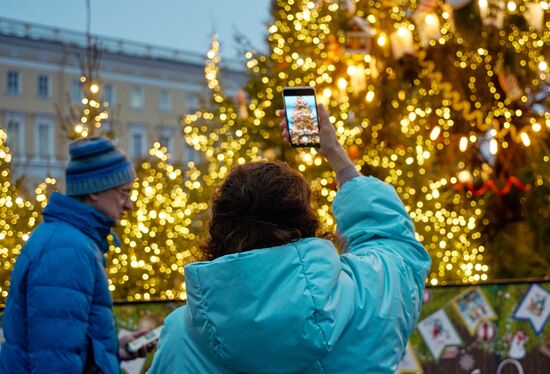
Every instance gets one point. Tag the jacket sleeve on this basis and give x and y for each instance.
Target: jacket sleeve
(59, 294)
(387, 264)
(371, 217)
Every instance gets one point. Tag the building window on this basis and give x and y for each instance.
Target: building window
(109, 94)
(137, 98)
(190, 154)
(13, 83)
(138, 142)
(165, 101)
(192, 101)
(15, 132)
(43, 86)
(44, 139)
(76, 92)
(166, 138)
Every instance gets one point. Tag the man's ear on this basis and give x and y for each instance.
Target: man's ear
(93, 197)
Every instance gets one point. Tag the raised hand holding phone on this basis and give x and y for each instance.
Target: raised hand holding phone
(330, 147)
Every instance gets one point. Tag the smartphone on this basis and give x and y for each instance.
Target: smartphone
(301, 116)
(150, 337)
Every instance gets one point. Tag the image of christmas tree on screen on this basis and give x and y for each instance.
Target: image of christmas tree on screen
(303, 121)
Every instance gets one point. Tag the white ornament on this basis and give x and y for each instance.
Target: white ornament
(517, 346)
(358, 79)
(428, 27)
(402, 42)
(350, 7)
(534, 15)
(486, 331)
(492, 13)
(359, 36)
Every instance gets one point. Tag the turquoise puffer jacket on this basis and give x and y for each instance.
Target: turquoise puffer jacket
(301, 307)
(59, 306)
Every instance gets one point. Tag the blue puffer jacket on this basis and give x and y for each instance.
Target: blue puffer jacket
(301, 307)
(59, 305)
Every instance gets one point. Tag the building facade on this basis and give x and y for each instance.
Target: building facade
(148, 89)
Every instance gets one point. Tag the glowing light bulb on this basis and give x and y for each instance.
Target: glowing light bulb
(543, 66)
(382, 40)
(370, 96)
(463, 145)
(525, 139)
(402, 32)
(342, 83)
(327, 92)
(430, 19)
(464, 176)
(435, 133)
(493, 146)
(512, 6)
(94, 88)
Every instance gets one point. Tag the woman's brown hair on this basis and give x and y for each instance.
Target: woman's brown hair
(260, 205)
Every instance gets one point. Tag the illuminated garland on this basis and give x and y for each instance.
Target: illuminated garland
(490, 185)
(464, 107)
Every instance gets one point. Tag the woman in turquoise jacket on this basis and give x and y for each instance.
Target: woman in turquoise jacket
(276, 299)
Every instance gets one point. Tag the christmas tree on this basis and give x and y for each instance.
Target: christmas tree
(447, 101)
(304, 127)
(18, 217)
(159, 235)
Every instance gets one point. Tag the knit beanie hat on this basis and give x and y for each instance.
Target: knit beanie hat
(96, 165)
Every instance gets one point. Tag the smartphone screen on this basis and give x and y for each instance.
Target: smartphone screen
(148, 338)
(301, 116)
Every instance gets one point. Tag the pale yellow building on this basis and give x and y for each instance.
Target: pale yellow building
(148, 89)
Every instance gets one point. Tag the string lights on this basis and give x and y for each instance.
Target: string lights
(436, 98)
(431, 91)
(18, 217)
(159, 237)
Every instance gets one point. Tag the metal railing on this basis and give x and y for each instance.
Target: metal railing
(34, 31)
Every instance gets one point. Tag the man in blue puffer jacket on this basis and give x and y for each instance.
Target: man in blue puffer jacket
(58, 316)
(276, 299)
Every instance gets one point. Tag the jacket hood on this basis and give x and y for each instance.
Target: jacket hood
(80, 215)
(270, 310)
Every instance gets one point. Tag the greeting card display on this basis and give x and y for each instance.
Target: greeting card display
(534, 308)
(438, 333)
(473, 308)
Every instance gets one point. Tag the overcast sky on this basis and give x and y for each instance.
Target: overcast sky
(181, 24)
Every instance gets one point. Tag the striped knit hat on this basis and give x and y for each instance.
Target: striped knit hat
(96, 165)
